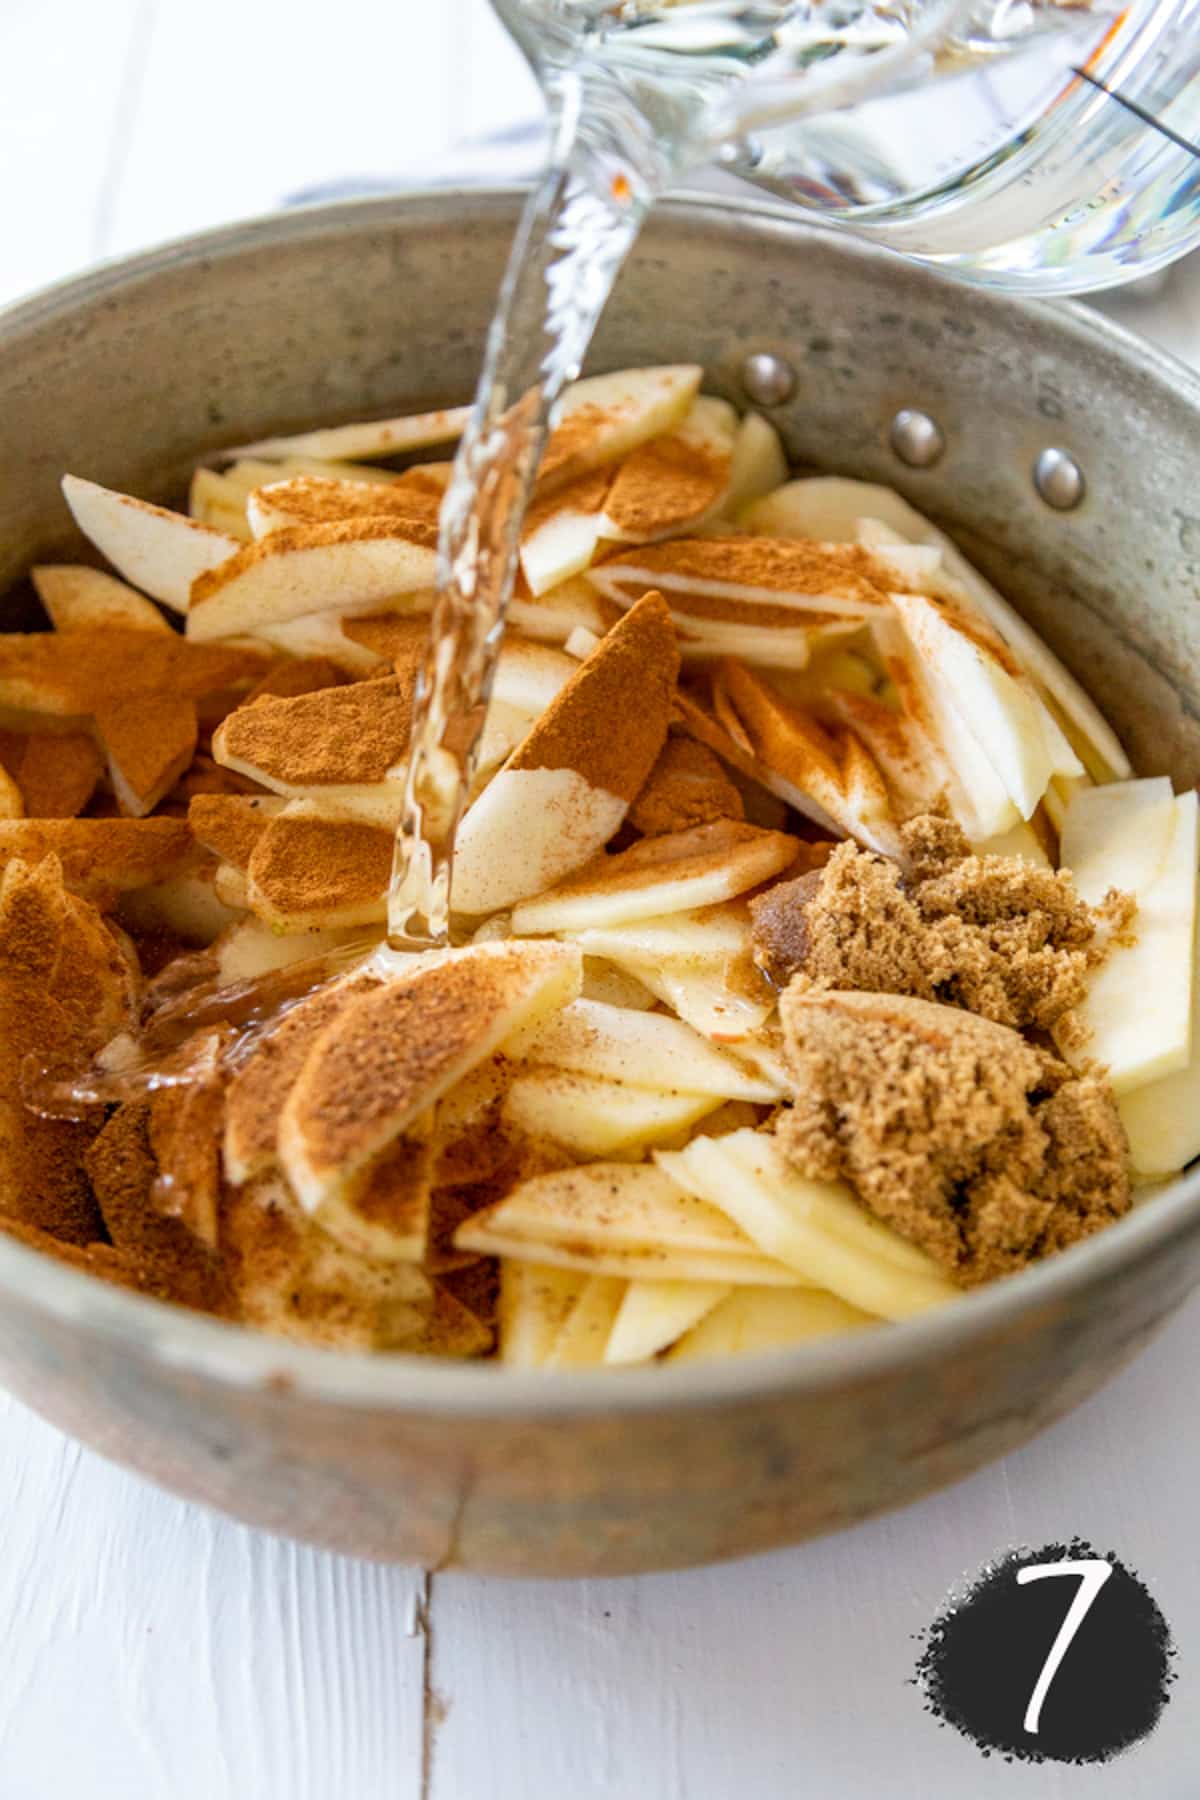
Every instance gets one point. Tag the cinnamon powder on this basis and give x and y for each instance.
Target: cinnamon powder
(266, 1076)
(789, 565)
(65, 989)
(687, 786)
(317, 500)
(610, 720)
(398, 638)
(56, 772)
(231, 824)
(342, 736)
(665, 485)
(166, 1258)
(314, 868)
(100, 858)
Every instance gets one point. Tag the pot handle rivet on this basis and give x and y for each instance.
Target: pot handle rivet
(917, 439)
(1059, 479)
(768, 380)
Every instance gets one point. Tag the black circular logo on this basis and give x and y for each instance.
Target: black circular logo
(1058, 1654)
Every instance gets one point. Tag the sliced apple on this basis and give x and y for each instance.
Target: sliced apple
(290, 1278)
(997, 705)
(562, 530)
(703, 997)
(529, 676)
(220, 499)
(1119, 838)
(1162, 1117)
(307, 871)
(825, 771)
(163, 553)
(759, 464)
(566, 789)
(12, 803)
(816, 1228)
(232, 888)
(1022, 842)
(622, 1219)
(581, 643)
(344, 568)
(654, 1314)
(770, 647)
(831, 507)
(345, 746)
(269, 1069)
(710, 935)
(249, 949)
(504, 727)
(357, 442)
(303, 500)
(149, 740)
(532, 1307)
(604, 417)
(979, 800)
(230, 825)
(1058, 796)
(1137, 837)
(678, 872)
(749, 581)
(901, 749)
(481, 996)
(752, 1321)
(585, 1331)
(77, 598)
(590, 1116)
(643, 1050)
(186, 905)
(215, 501)
(321, 635)
(606, 982)
(385, 1214)
(54, 773)
(550, 618)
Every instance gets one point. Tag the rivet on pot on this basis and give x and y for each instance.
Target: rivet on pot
(917, 439)
(767, 378)
(1059, 480)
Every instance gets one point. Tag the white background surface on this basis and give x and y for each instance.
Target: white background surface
(153, 1652)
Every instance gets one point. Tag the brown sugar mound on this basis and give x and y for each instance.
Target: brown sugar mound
(992, 934)
(687, 786)
(969, 1141)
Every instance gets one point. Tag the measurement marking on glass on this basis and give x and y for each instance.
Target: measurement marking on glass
(1140, 112)
(1093, 1572)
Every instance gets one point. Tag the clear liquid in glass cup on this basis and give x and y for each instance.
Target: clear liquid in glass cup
(1020, 144)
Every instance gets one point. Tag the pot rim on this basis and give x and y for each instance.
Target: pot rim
(240, 1356)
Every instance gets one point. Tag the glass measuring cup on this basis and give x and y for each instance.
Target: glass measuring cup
(1034, 147)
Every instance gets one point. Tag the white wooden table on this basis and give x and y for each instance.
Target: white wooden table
(153, 1652)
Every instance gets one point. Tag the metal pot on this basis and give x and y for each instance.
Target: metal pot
(128, 373)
